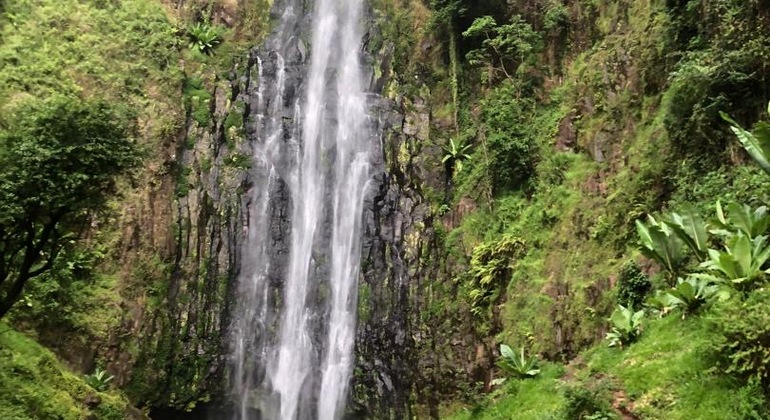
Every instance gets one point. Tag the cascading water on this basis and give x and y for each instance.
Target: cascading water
(293, 338)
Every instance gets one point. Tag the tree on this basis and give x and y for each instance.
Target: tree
(503, 47)
(59, 160)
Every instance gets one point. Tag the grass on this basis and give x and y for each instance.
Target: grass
(527, 399)
(667, 374)
(34, 385)
(75, 47)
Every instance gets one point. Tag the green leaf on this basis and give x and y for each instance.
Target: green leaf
(506, 352)
(691, 229)
(750, 143)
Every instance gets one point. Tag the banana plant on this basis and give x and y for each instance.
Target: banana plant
(518, 365)
(626, 326)
(742, 260)
(757, 144)
(659, 242)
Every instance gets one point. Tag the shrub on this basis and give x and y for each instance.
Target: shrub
(586, 402)
(660, 243)
(491, 265)
(744, 349)
(511, 148)
(693, 294)
(203, 38)
(633, 286)
(454, 156)
(742, 261)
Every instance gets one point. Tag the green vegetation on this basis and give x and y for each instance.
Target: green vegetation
(34, 385)
(84, 85)
(59, 160)
(532, 399)
(203, 38)
(99, 380)
(596, 136)
(456, 154)
(633, 286)
(626, 326)
(690, 295)
(517, 364)
(573, 153)
(742, 348)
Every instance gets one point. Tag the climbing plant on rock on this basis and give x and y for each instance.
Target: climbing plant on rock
(491, 265)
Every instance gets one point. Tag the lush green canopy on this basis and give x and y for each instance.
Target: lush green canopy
(59, 159)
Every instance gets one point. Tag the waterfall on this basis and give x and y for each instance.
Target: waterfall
(292, 338)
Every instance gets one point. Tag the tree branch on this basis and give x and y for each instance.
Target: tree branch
(32, 251)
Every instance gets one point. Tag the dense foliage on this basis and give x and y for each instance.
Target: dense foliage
(595, 132)
(59, 159)
(597, 136)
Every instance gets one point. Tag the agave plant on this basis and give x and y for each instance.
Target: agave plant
(626, 326)
(518, 365)
(99, 380)
(203, 38)
(456, 154)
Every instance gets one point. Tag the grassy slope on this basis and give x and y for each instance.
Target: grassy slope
(578, 224)
(665, 375)
(34, 385)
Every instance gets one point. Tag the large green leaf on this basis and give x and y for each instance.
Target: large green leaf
(506, 351)
(691, 229)
(752, 145)
(760, 251)
(660, 242)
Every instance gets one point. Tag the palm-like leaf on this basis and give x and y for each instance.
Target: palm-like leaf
(691, 229)
(741, 218)
(203, 38)
(99, 380)
(694, 293)
(456, 154)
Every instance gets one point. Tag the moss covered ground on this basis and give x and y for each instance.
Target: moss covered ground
(35, 385)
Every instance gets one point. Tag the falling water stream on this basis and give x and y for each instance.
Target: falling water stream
(293, 342)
